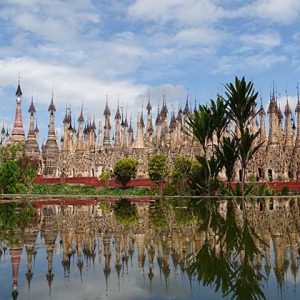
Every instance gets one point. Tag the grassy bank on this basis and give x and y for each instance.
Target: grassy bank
(65, 189)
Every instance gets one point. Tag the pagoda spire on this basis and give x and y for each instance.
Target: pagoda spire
(262, 115)
(51, 151)
(18, 134)
(288, 142)
(149, 128)
(297, 110)
(273, 112)
(107, 127)
(79, 142)
(130, 134)
(31, 145)
(118, 127)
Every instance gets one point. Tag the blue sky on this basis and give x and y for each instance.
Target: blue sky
(84, 50)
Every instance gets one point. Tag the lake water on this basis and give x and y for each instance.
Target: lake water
(183, 249)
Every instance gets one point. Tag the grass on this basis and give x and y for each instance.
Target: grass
(65, 189)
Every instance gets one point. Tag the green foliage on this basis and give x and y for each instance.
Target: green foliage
(207, 122)
(15, 215)
(219, 116)
(65, 189)
(228, 154)
(104, 177)
(285, 191)
(125, 212)
(204, 177)
(181, 171)
(183, 216)
(158, 217)
(12, 151)
(223, 269)
(17, 172)
(105, 206)
(241, 98)
(125, 169)
(201, 125)
(158, 168)
(9, 176)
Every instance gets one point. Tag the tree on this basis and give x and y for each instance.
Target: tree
(9, 176)
(125, 212)
(228, 153)
(104, 177)
(17, 172)
(181, 171)
(158, 169)
(125, 169)
(208, 126)
(28, 171)
(241, 99)
(201, 126)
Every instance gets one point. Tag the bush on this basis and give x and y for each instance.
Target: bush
(285, 191)
(17, 172)
(104, 177)
(125, 212)
(181, 170)
(158, 217)
(125, 169)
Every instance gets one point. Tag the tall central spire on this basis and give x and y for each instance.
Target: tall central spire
(18, 134)
(51, 151)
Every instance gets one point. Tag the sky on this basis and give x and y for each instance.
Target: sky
(83, 50)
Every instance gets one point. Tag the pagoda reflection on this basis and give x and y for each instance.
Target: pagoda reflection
(94, 239)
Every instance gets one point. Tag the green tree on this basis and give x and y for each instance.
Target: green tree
(208, 126)
(181, 171)
(17, 172)
(9, 176)
(201, 126)
(158, 169)
(241, 99)
(228, 153)
(28, 171)
(125, 212)
(104, 177)
(125, 169)
(219, 117)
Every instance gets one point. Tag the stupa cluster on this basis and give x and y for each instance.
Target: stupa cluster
(88, 151)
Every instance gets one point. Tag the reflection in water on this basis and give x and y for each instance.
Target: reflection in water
(237, 249)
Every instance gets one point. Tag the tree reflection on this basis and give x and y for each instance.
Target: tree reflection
(226, 259)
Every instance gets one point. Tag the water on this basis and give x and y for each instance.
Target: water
(185, 249)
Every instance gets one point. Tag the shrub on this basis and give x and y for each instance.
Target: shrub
(125, 169)
(104, 177)
(125, 212)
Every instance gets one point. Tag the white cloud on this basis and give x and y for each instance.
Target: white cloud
(263, 40)
(72, 87)
(70, 84)
(198, 36)
(185, 12)
(277, 11)
(256, 62)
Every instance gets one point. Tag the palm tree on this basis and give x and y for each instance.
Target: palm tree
(201, 126)
(219, 117)
(241, 99)
(228, 153)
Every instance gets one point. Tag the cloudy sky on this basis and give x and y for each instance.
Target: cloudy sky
(86, 49)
